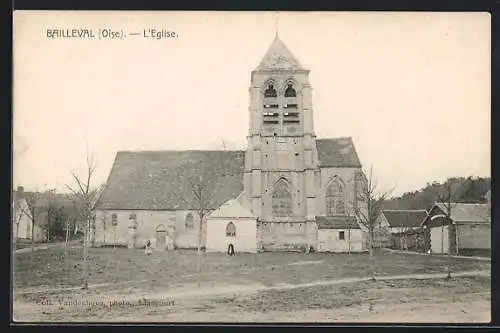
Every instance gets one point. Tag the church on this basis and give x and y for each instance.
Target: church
(288, 191)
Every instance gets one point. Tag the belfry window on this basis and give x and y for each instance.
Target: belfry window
(282, 199)
(335, 198)
(290, 91)
(270, 91)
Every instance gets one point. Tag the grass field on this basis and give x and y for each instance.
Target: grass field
(259, 286)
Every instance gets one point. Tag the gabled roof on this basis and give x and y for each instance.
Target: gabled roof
(232, 209)
(278, 57)
(337, 222)
(405, 218)
(160, 180)
(467, 212)
(338, 152)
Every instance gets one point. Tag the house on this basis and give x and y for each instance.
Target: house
(459, 227)
(231, 225)
(22, 223)
(286, 182)
(404, 220)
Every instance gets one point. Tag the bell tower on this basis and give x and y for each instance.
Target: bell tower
(281, 168)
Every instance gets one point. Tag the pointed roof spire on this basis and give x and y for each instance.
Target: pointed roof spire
(278, 57)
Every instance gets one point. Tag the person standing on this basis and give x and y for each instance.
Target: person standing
(148, 247)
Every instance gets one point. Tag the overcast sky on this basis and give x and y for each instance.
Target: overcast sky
(411, 89)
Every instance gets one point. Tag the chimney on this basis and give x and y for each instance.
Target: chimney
(20, 190)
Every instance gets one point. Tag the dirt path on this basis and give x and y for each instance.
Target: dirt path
(424, 312)
(194, 304)
(191, 291)
(450, 256)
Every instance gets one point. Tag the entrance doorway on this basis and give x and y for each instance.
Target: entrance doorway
(160, 236)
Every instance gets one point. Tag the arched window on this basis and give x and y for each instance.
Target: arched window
(114, 220)
(282, 199)
(189, 223)
(132, 220)
(290, 92)
(230, 230)
(335, 198)
(270, 91)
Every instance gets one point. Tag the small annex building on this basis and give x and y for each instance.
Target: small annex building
(232, 225)
(339, 234)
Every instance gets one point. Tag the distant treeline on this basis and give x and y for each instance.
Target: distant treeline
(463, 189)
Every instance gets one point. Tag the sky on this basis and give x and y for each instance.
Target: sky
(411, 89)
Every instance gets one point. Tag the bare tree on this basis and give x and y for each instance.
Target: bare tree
(66, 239)
(207, 177)
(85, 196)
(51, 209)
(369, 210)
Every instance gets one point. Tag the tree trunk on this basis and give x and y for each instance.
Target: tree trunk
(307, 238)
(85, 254)
(349, 240)
(48, 227)
(370, 237)
(200, 228)
(32, 235)
(67, 239)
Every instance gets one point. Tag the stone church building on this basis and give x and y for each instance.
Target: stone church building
(288, 191)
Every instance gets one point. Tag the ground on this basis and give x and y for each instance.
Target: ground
(127, 285)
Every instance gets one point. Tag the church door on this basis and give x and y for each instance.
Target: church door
(160, 236)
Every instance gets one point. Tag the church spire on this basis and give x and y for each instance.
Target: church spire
(278, 57)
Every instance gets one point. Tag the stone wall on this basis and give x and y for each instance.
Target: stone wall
(287, 236)
(148, 223)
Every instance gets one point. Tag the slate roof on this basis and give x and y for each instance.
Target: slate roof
(278, 57)
(337, 222)
(158, 180)
(467, 212)
(405, 218)
(338, 152)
